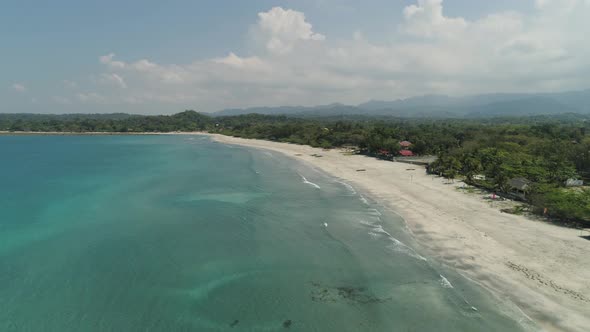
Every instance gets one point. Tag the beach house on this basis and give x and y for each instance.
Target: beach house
(519, 187)
(405, 144)
(406, 153)
(405, 149)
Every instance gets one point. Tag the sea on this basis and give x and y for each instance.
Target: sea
(180, 233)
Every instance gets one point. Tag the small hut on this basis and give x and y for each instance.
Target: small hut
(519, 187)
(405, 144)
(406, 153)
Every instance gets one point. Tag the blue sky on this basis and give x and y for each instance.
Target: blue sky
(207, 55)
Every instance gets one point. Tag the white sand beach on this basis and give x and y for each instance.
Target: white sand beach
(542, 268)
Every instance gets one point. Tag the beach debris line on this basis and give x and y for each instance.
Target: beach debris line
(533, 275)
(361, 170)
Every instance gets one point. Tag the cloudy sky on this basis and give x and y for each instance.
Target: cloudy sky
(153, 56)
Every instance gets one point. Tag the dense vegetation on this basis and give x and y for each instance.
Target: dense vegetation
(547, 151)
(185, 121)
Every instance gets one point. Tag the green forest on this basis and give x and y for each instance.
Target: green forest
(544, 152)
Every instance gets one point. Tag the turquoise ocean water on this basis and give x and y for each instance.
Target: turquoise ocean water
(177, 233)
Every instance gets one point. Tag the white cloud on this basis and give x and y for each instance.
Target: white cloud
(19, 87)
(113, 79)
(283, 29)
(165, 74)
(426, 19)
(431, 52)
(108, 60)
(242, 63)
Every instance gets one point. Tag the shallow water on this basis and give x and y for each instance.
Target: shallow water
(177, 233)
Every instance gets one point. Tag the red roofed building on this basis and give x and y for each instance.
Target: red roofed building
(405, 151)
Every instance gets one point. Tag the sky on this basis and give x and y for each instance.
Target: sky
(163, 57)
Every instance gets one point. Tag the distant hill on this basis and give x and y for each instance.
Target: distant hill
(323, 110)
(441, 106)
(410, 103)
(579, 100)
(261, 110)
(537, 105)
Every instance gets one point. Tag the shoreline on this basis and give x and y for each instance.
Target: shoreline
(541, 268)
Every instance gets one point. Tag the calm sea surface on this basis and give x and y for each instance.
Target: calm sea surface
(177, 233)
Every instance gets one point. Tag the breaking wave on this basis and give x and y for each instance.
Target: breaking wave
(348, 186)
(445, 282)
(377, 231)
(309, 183)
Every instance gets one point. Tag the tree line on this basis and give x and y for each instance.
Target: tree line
(547, 151)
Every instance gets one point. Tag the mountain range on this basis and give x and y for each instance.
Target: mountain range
(442, 106)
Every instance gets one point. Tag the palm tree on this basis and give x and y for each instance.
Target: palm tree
(471, 167)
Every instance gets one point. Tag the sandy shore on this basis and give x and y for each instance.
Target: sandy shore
(543, 269)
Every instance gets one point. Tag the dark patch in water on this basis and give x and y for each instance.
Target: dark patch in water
(287, 323)
(358, 295)
(234, 323)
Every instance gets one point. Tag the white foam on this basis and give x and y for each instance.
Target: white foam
(367, 223)
(374, 235)
(325, 224)
(308, 182)
(446, 283)
(348, 186)
(379, 229)
(363, 199)
(396, 245)
(402, 248)
(399, 246)
(375, 212)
